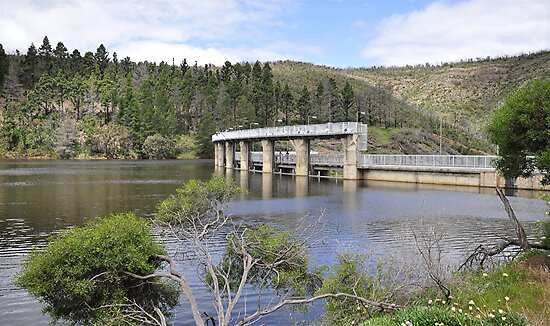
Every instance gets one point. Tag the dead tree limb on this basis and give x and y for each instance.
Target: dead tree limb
(281, 304)
(481, 254)
(520, 232)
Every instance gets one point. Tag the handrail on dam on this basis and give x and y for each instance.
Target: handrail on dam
(444, 161)
(302, 131)
(372, 160)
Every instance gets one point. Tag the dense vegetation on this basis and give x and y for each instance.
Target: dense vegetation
(66, 104)
(521, 127)
(78, 276)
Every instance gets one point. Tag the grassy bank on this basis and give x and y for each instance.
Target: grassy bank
(507, 295)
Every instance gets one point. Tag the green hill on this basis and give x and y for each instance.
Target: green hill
(64, 104)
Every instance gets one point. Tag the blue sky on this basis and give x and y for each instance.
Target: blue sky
(341, 33)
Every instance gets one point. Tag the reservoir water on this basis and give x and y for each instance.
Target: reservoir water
(38, 198)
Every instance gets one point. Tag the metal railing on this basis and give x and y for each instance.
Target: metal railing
(370, 160)
(318, 130)
(256, 157)
(327, 159)
(448, 161)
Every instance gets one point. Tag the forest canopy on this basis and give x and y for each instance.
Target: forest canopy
(65, 104)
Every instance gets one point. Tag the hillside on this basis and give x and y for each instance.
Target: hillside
(463, 93)
(412, 101)
(64, 104)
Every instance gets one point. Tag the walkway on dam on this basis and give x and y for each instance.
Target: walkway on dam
(352, 134)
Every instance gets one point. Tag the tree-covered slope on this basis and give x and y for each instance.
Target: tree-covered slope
(464, 92)
(60, 103)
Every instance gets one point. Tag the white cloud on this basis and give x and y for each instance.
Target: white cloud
(158, 51)
(455, 30)
(153, 30)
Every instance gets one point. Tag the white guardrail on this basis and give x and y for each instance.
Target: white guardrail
(369, 160)
(317, 130)
(450, 161)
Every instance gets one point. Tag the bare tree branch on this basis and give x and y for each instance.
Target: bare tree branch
(520, 232)
(180, 279)
(481, 254)
(281, 304)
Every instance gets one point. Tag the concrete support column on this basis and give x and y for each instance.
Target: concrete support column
(215, 154)
(351, 172)
(245, 155)
(219, 150)
(301, 146)
(229, 155)
(268, 147)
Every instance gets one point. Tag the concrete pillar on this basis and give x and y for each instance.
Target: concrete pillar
(245, 155)
(350, 157)
(268, 147)
(301, 146)
(216, 158)
(229, 155)
(220, 153)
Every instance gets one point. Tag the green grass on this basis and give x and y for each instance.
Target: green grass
(527, 290)
(508, 295)
(382, 135)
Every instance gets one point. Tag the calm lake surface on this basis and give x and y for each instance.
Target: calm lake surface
(38, 198)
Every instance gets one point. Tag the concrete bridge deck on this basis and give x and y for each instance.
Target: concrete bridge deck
(316, 131)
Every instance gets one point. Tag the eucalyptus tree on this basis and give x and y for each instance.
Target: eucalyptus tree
(521, 129)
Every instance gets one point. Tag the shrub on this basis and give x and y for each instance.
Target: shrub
(281, 261)
(530, 253)
(77, 275)
(112, 140)
(158, 147)
(351, 275)
(66, 138)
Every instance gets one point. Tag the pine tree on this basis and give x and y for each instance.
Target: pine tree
(333, 99)
(266, 103)
(61, 56)
(75, 64)
(304, 105)
(4, 66)
(287, 103)
(29, 67)
(77, 91)
(45, 53)
(101, 58)
(347, 102)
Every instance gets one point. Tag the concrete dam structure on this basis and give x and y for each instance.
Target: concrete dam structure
(233, 150)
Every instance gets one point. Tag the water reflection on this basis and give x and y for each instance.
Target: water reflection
(267, 186)
(302, 186)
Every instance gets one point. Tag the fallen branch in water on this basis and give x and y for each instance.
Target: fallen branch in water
(521, 243)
